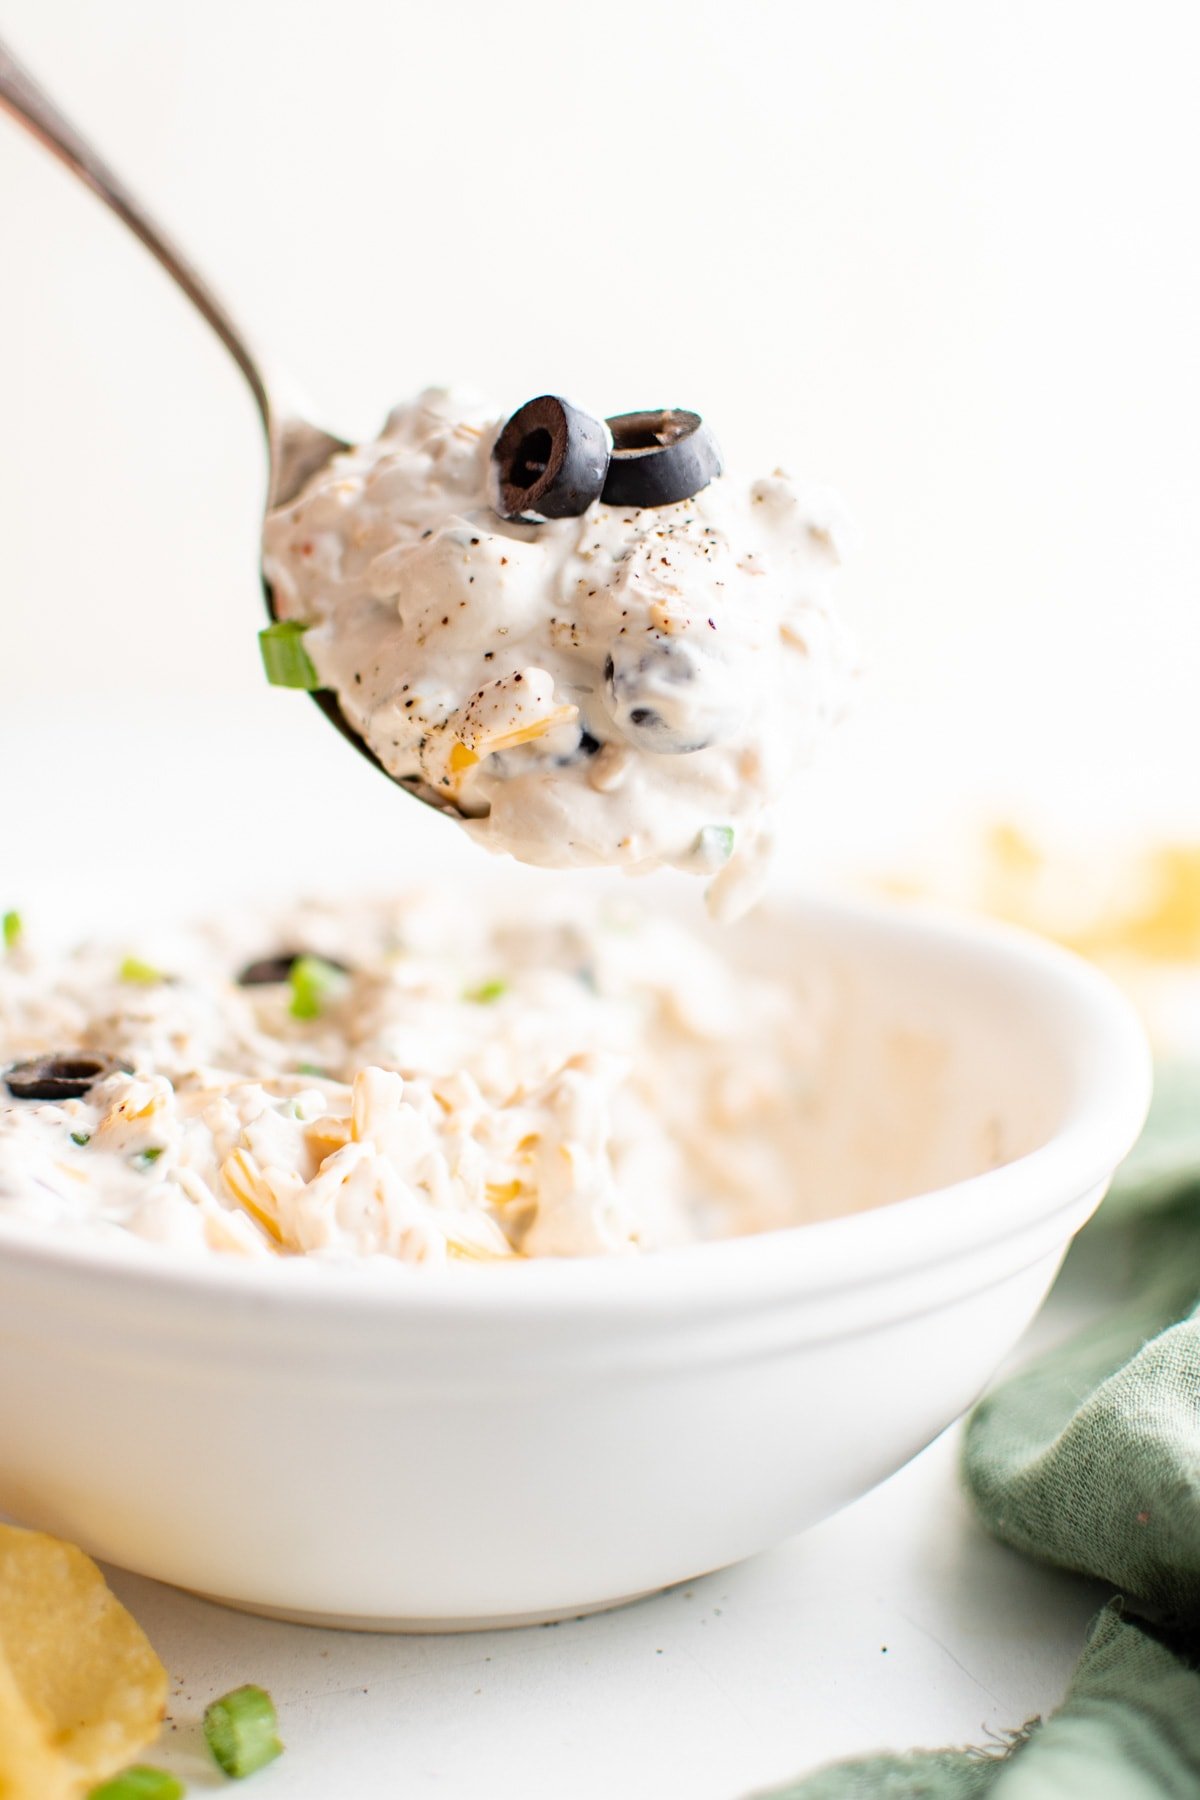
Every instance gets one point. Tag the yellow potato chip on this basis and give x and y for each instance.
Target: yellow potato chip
(28, 1766)
(81, 1690)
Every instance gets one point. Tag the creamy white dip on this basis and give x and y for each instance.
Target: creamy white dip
(632, 687)
(565, 1082)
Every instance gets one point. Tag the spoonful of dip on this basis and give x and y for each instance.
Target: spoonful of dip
(581, 637)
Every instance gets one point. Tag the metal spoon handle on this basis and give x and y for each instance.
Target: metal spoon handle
(28, 103)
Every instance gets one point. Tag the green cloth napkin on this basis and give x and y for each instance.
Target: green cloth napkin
(1090, 1459)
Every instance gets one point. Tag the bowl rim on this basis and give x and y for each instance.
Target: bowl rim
(1101, 1121)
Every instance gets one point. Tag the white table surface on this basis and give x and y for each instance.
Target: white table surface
(896, 1623)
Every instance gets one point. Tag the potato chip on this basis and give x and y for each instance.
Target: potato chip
(81, 1690)
(28, 1766)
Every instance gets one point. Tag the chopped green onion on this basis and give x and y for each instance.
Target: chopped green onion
(285, 659)
(242, 1731)
(487, 991)
(144, 1158)
(139, 1783)
(311, 1069)
(134, 969)
(310, 979)
(11, 929)
(714, 845)
(81, 1138)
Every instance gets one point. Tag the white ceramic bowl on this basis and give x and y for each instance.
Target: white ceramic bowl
(522, 1443)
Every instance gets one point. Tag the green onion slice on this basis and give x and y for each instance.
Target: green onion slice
(11, 929)
(134, 969)
(81, 1138)
(310, 979)
(139, 1783)
(285, 659)
(714, 845)
(487, 991)
(242, 1731)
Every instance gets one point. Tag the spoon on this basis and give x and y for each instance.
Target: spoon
(296, 449)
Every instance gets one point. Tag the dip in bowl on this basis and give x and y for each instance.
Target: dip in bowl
(441, 1448)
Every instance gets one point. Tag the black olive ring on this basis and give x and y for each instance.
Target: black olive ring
(549, 461)
(659, 458)
(69, 1075)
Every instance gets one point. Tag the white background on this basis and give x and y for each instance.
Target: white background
(944, 256)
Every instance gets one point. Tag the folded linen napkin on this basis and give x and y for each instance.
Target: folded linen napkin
(1090, 1459)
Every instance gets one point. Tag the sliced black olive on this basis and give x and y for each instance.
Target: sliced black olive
(645, 726)
(549, 461)
(268, 971)
(655, 702)
(69, 1075)
(659, 458)
(587, 747)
